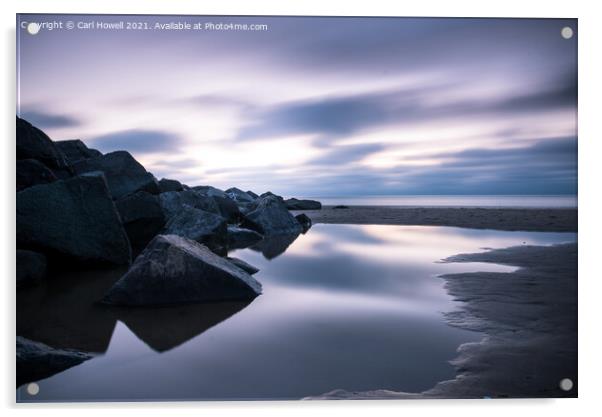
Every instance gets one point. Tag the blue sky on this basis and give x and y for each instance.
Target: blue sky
(318, 106)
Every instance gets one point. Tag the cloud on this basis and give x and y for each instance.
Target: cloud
(138, 141)
(47, 120)
(342, 155)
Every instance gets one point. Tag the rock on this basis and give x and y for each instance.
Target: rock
(201, 226)
(271, 217)
(239, 237)
(37, 361)
(142, 217)
(174, 201)
(175, 270)
(32, 143)
(75, 150)
(74, 218)
(252, 194)
(245, 208)
(31, 267)
(32, 172)
(294, 204)
(239, 195)
(304, 221)
(166, 185)
(124, 174)
(209, 191)
(247, 267)
(228, 209)
(269, 193)
(340, 207)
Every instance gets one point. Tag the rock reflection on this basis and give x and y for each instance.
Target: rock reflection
(274, 246)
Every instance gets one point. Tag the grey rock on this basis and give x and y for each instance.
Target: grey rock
(124, 174)
(304, 221)
(271, 194)
(75, 150)
(228, 209)
(209, 191)
(74, 218)
(31, 267)
(37, 361)
(271, 217)
(245, 266)
(201, 226)
(294, 204)
(239, 195)
(32, 143)
(175, 270)
(166, 185)
(142, 217)
(32, 172)
(174, 201)
(239, 237)
(252, 194)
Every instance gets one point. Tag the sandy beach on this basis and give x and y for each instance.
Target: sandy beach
(525, 219)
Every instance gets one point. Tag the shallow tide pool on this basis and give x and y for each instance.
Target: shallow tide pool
(343, 307)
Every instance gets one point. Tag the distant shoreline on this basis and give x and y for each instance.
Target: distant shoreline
(509, 219)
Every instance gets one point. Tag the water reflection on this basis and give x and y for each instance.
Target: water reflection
(274, 246)
(351, 307)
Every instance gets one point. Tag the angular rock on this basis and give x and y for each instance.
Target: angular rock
(239, 195)
(209, 191)
(269, 193)
(245, 208)
(142, 217)
(239, 237)
(74, 218)
(32, 172)
(166, 185)
(247, 267)
(173, 202)
(175, 270)
(252, 194)
(201, 226)
(37, 361)
(228, 209)
(304, 221)
(31, 267)
(271, 217)
(75, 150)
(32, 143)
(124, 174)
(294, 204)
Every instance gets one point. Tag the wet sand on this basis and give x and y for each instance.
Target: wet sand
(524, 219)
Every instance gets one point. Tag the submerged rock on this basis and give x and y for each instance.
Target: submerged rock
(271, 217)
(74, 218)
(173, 202)
(32, 143)
(37, 361)
(142, 217)
(176, 270)
(166, 185)
(124, 174)
(201, 226)
(75, 150)
(294, 204)
(31, 172)
(304, 221)
(239, 237)
(31, 267)
(247, 267)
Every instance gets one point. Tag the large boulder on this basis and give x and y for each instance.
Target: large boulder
(201, 226)
(271, 217)
(32, 172)
(37, 361)
(124, 174)
(32, 143)
(75, 150)
(304, 221)
(228, 209)
(173, 202)
(245, 266)
(239, 237)
(74, 218)
(142, 217)
(31, 267)
(239, 195)
(294, 204)
(252, 194)
(271, 194)
(166, 185)
(175, 270)
(209, 191)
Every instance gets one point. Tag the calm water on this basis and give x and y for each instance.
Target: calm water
(351, 307)
(531, 201)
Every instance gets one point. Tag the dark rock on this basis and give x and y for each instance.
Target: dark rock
(294, 204)
(32, 172)
(166, 185)
(37, 361)
(201, 226)
(274, 246)
(174, 201)
(75, 218)
(239, 237)
(31, 267)
(239, 195)
(304, 221)
(209, 191)
(124, 174)
(245, 208)
(269, 193)
(228, 209)
(271, 217)
(142, 217)
(247, 267)
(340, 207)
(32, 143)
(175, 270)
(75, 150)
(252, 194)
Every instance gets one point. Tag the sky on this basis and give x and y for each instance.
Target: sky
(317, 106)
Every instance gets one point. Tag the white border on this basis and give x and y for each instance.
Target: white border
(590, 177)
